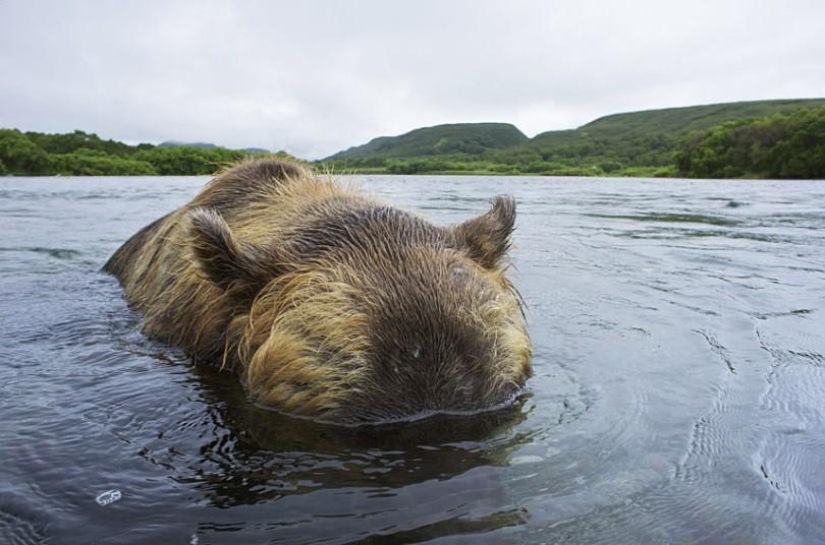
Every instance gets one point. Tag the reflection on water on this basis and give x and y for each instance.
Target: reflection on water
(677, 396)
(260, 444)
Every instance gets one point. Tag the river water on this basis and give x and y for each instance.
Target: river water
(678, 393)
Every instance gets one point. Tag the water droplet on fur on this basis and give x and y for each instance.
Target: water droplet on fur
(458, 274)
(416, 351)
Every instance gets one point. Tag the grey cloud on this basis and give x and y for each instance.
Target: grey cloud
(315, 77)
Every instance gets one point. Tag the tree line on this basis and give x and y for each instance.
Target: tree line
(83, 154)
(779, 146)
(788, 145)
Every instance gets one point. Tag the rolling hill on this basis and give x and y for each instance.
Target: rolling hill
(460, 138)
(613, 143)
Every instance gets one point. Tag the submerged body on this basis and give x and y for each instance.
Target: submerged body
(329, 303)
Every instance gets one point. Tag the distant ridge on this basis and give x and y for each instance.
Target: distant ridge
(456, 138)
(685, 119)
(612, 143)
(176, 144)
(204, 145)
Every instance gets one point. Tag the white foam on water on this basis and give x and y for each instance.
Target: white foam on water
(110, 496)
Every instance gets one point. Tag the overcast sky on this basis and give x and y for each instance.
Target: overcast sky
(315, 77)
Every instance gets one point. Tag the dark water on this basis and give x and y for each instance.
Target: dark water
(678, 396)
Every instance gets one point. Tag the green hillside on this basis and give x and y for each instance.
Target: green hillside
(470, 139)
(635, 143)
(771, 138)
(646, 138)
(680, 121)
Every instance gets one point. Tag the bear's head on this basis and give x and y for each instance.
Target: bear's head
(366, 313)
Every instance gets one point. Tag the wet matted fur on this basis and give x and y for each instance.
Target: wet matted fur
(329, 303)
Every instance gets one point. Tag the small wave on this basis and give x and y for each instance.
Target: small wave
(18, 528)
(57, 253)
(788, 463)
(660, 217)
(795, 312)
(718, 349)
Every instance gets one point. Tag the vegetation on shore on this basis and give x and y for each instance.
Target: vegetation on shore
(779, 146)
(82, 154)
(766, 139)
(629, 144)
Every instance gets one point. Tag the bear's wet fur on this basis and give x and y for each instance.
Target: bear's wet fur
(329, 303)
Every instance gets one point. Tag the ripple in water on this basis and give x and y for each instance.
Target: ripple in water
(677, 397)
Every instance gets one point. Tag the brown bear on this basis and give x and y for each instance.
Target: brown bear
(329, 303)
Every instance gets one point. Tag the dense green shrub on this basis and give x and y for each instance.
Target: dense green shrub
(780, 146)
(77, 140)
(188, 160)
(83, 154)
(96, 163)
(20, 155)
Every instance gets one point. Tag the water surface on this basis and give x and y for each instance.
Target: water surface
(678, 394)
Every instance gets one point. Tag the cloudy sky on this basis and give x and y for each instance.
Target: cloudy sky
(314, 77)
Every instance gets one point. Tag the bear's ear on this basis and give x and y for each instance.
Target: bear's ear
(225, 261)
(487, 237)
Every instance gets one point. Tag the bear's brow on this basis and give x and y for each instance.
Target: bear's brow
(369, 226)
